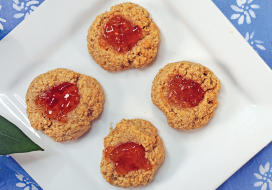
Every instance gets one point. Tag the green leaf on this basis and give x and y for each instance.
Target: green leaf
(13, 140)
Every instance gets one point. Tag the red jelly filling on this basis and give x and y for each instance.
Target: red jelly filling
(128, 157)
(58, 101)
(185, 93)
(121, 34)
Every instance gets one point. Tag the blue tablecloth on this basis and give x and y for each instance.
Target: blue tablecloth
(14, 177)
(251, 18)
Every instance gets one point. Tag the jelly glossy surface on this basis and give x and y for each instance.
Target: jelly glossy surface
(185, 93)
(121, 34)
(58, 101)
(128, 157)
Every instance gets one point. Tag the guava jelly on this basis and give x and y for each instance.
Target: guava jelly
(128, 157)
(58, 101)
(121, 34)
(184, 92)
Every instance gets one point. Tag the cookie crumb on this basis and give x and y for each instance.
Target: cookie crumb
(142, 53)
(79, 119)
(186, 118)
(142, 133)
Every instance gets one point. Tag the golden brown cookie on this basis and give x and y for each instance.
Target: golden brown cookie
(140, 132)
(79, 119)
(142, 53)
(191, 117)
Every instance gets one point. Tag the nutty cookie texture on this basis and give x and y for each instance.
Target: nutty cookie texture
(142, 53)
(140, 132)
(191, 117)
(79, 119)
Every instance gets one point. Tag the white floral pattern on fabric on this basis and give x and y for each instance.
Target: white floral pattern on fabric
(25, 183)
(1, 20)
(265, 177)
(253, 43)
(244, 10)
(25, 8)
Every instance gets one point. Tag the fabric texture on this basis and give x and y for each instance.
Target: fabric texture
(14, 177)
(252, 18)
(13, 12)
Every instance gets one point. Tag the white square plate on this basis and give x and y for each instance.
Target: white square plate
(54, 36)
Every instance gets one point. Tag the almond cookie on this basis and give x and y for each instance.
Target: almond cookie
(124, 37)
(132, 153)
(186, 93)
(62, 103)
